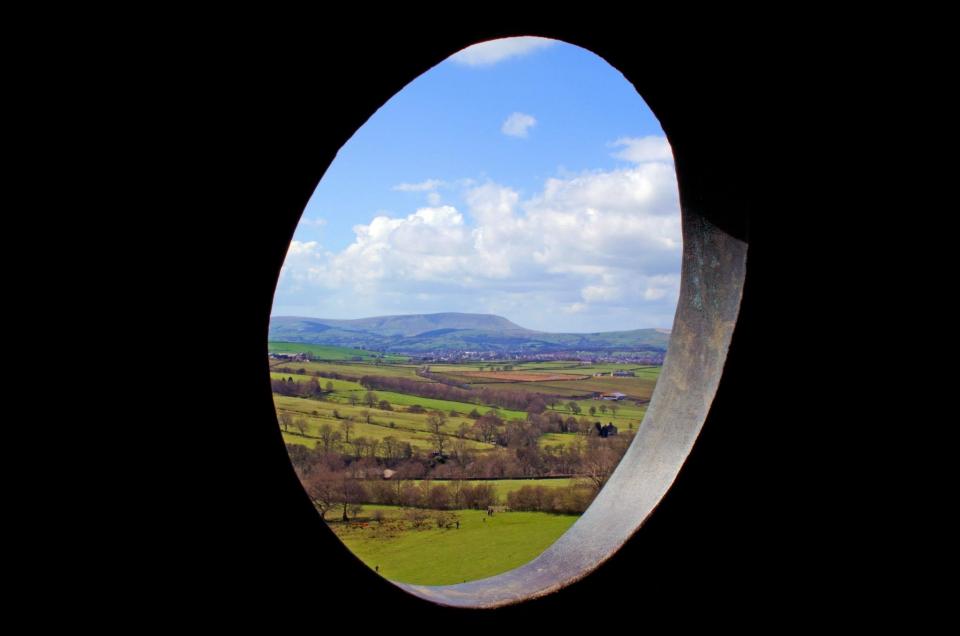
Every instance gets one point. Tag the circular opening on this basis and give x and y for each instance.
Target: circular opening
(708, 299)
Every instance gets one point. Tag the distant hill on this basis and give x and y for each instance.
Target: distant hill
(421, 333)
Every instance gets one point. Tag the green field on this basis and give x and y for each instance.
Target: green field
(351, 369)
(483, 545)
(559, 439)
(342, 386)
(418, 440)
(445, 405)
(409, 427)
(329, 353)
(505, 486)
(627, 413)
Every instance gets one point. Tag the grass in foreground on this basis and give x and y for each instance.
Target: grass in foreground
(483, 546)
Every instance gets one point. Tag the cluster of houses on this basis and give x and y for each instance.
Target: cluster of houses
(296, 357)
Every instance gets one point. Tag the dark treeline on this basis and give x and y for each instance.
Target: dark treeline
(333, 375)
(591, 457)
(514, 400)
(289, 387)
(334, 483)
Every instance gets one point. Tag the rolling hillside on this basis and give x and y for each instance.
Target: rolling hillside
(454, 331)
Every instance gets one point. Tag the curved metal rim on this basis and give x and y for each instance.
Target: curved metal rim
(712, 276)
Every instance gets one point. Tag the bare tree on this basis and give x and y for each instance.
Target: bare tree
(359, 446)
(391, 449)
(347, 426)
(347, 493)
(286, 421)
(435, 422)
(301, 424)
(328, 437)
(370, 399)
(321, 486)
(598, 462)
(487, 426)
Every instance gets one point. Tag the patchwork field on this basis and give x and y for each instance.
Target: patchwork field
(409, 544)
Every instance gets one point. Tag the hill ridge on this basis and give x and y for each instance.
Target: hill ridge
(454, 331)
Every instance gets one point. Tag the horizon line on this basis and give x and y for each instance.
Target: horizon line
(464, 313)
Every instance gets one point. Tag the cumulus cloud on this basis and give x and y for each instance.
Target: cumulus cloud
(495, 51)
(423, 186)
(600, 250)
(518, 124)
(643, 149)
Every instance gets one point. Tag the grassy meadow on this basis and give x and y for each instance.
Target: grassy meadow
(482, 546)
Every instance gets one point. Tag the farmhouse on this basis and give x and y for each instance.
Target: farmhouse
(623, 374)
(616, 395)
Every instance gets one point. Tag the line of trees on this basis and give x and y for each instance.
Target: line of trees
(339, 489)
(591, 457)
(573, 499)
(333, 375)
(293, 388)
(531, 402)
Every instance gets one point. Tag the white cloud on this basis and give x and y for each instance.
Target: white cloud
(518, 124)
(643, 149)
(311, 222)
(597, 249)
(423, 186)
(494, 51)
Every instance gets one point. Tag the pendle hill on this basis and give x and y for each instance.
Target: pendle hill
(420, 333)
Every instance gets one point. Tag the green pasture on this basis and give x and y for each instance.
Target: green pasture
(410, 427)
(342, 386)
(483, 545)
(351, 369)
(329, 353)
(559, 439)
(505, 486)
(445, 405)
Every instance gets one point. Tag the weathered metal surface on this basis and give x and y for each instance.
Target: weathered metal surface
(712, 275)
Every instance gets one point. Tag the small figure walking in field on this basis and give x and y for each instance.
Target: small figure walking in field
(376, 569)
(458, 524)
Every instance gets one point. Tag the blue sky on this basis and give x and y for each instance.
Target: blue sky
(523, 177)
